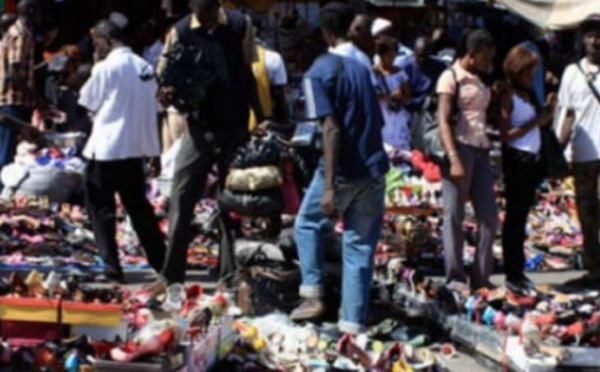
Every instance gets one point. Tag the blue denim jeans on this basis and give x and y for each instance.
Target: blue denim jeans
(8, 137)
(361, 204)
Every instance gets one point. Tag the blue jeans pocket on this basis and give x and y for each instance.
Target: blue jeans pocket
(364, 197)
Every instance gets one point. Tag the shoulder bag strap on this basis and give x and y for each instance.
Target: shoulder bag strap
(455, 108)
(590, 78)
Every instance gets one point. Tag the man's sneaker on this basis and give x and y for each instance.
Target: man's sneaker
(309, 309)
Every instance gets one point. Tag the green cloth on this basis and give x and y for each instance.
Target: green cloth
(394, 179)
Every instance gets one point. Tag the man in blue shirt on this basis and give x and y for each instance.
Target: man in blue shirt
(423, 72)
(350, 180)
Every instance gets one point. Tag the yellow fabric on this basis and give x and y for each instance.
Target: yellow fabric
(195, 22)
(229, 5)
(259, 68)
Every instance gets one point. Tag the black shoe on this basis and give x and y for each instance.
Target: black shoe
(522, 285)
(584, 282)
(476, 286)
(110, 278)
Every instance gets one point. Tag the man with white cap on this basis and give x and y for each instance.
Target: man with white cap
(119, 19)
(383, 31)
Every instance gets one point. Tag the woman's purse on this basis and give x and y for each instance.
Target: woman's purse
(555, 163)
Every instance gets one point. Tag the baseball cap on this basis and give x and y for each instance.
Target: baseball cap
(380, 25)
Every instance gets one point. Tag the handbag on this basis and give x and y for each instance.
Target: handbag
(253, 204)
(425, 130)
(555, 163)
(264, 285)
(254, 179)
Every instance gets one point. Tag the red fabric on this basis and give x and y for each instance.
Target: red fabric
(291, 197)
(431, 171)
(10, 6)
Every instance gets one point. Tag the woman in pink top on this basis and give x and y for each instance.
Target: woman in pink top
(463, 103)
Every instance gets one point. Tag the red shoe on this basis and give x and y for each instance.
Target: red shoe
(546, 320)
(154, 346)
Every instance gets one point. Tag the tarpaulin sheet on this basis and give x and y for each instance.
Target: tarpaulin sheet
(553, 14)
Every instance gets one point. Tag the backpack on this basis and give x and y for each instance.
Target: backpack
(425, 130)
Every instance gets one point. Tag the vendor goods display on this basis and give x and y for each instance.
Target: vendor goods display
(159, 324)
(274, 343)
(54, 172)
(35, 233)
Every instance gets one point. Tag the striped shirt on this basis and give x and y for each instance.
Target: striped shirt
(17, 50)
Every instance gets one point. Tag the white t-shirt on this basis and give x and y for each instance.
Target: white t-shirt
(275, 68)
(523, 112)
(121, 94)
(575, 94)
(351, 51)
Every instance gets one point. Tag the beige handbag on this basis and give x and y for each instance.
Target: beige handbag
(254, 179)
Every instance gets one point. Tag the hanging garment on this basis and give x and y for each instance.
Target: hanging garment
(259, 68)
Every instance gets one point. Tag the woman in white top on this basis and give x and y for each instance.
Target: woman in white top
(522, 162)
(394, 89)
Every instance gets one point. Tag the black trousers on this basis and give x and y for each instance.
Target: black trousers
(523, 173)
(194, 162)
(125, 177)
(587, 197)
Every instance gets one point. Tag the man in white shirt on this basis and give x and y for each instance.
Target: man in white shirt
(579, 97)
(121, 95)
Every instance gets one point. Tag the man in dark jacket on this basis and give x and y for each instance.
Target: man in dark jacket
(217, 117)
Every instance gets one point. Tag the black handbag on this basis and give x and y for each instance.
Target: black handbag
(264, 285)
(555, 164)
(265, 203)
(425, 131)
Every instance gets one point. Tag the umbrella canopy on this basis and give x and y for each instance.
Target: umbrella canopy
(553, 14)
(398, 3)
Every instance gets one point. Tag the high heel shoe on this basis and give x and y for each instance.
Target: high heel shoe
(154, 346)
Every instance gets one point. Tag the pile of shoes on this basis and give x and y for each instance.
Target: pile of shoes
(36, 234)
(414, 211)
(55, 285)
(275, 343)
(560, 319)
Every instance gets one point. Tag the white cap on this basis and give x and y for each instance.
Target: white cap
(119, 19)
(380, 25)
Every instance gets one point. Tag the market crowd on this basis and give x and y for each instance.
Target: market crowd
(137, 94)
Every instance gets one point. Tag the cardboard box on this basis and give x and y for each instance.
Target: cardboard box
(203, 352)
(101, 315)
(29, 310)
(31, 332)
